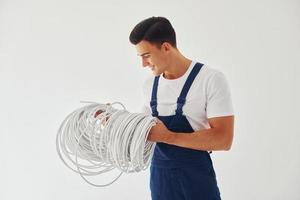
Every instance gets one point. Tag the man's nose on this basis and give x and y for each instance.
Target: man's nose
(145, 63)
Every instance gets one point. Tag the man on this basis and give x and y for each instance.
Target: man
(193, 104)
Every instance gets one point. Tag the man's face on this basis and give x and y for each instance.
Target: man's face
(153, 57)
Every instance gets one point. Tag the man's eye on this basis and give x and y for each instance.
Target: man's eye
(146, 56)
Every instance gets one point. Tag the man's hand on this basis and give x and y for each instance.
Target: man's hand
(159, 133)
(101, 111)
(98, 113)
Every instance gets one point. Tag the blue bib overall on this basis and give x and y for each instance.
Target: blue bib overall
(178, 173)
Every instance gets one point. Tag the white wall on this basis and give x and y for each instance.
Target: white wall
(54, 53)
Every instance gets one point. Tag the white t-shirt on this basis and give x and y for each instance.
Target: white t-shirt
(208, 97)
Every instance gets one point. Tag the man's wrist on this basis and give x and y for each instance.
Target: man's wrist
(169, 137)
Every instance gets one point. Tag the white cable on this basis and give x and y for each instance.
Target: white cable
(114, 139)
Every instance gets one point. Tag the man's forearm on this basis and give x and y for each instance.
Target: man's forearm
(206, 140)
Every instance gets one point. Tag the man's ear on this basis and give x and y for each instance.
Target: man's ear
(166, 46)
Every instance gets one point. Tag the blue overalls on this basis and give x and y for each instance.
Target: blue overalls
(178, 173)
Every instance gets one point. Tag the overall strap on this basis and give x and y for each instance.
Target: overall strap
(153, 102)
(182, 97)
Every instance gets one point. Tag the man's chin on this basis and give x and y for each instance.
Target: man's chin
(155, 73)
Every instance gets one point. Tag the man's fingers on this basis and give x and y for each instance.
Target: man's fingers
(159, 121)
(98, 113)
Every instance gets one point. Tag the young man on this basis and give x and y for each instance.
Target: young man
(193, 103)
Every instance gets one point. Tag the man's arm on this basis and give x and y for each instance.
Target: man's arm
(218, 137)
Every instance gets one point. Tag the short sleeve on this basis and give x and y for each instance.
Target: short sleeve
(146, 97)
(145, 109)
(219, 102)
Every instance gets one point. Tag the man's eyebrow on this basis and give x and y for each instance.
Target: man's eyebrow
(144, 54)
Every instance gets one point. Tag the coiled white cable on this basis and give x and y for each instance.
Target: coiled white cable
(115, 139)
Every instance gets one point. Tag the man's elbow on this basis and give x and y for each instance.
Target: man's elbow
(228, 142)
(227, 147)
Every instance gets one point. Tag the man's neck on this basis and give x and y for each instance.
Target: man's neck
(177, 67)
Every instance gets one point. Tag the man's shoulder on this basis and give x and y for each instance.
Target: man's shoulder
(209, 70)
(148, 82)
(208, 74)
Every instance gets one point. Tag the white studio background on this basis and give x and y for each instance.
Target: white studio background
(55, 53)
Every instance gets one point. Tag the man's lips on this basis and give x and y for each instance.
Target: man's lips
(152, 67)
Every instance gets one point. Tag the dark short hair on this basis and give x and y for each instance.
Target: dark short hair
(155, 30)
